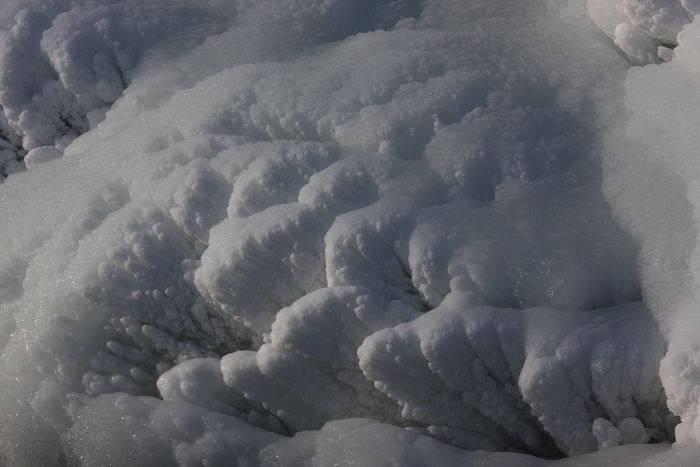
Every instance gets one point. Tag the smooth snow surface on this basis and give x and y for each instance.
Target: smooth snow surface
(349, 232)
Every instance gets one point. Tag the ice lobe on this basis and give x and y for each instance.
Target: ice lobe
(448, 253)
(483, 378)
(275, 260)
(201, 382)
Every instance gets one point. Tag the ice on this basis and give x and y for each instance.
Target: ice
(645, 30)
(506, 363)
(309, 373)
(65, 63)
(335, 232)
(606, 433)
(667, 236)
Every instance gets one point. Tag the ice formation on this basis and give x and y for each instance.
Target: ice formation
(340, 232)
(647, 31)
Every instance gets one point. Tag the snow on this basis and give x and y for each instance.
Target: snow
(336, 232)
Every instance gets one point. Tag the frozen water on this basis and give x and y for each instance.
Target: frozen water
(645, 30)
(306, 232)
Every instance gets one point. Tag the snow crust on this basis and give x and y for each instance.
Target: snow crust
(306, 232)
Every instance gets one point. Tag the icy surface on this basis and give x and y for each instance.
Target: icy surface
(339, 232)
(647, 31)
(651, 143)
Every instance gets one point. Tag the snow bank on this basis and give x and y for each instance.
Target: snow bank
(660, 210)
(323, 232)
(645, 30)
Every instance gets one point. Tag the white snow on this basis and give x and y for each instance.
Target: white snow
(349, 232)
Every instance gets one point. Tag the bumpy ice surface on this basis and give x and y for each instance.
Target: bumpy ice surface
(305, 232)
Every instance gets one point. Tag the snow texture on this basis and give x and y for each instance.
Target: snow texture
(349, 232)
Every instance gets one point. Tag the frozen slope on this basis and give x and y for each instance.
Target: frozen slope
(310, 232)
